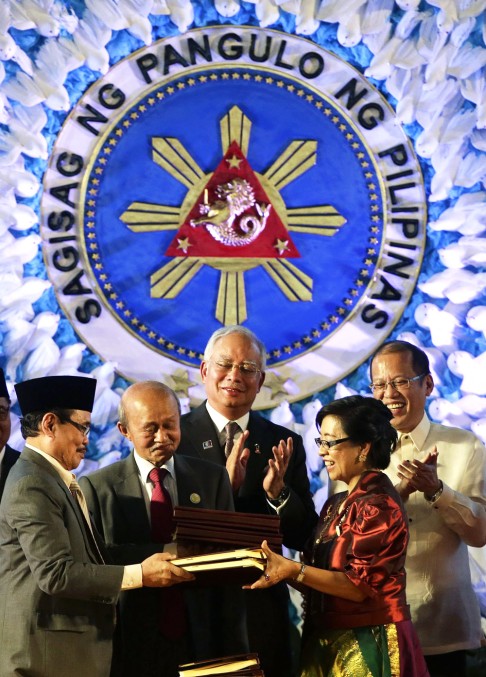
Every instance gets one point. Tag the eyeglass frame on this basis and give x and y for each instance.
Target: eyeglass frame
(84, 429)
(229, 366)
(4, 412)
(383, 386)
(329, 444)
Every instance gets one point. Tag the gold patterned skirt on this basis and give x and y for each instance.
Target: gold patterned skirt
(389, 650)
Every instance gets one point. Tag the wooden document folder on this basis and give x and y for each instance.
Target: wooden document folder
(231, 529)
(242, 665)
(217, 568)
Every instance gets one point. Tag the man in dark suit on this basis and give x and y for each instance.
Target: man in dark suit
(8, 456)
(57, 596)
(120, 497)
(266, 467)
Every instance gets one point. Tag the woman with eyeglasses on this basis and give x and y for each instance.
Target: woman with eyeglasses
(356, 618)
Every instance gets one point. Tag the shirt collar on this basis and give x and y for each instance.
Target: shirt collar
(66, 475)
(144, 466)
(419, 434)
(220, 421)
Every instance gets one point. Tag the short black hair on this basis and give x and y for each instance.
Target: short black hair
(420, 361)
(364, 419)
(30, 423)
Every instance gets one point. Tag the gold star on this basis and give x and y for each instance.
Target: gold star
(183, 244)
(281, 246)
(276, 384)
(234, 162)
(181, 381)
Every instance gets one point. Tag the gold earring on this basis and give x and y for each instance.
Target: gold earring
(362, 458)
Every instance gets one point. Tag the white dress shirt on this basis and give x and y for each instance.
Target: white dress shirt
(220, 422)
(144, 468)
(444, 606)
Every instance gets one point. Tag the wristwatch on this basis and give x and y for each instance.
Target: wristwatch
(301, 575)
(281, 498)
(432, 499)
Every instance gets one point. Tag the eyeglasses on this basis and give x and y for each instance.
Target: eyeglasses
(245, 369)
(396, 384)
(328, 444)
(4, 412)
(85, 429)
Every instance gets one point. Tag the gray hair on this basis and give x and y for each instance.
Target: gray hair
(236, 329)
(146, 385)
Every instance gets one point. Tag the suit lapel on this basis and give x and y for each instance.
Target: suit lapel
(90, 543)
(131, 499)
(259, 443)
(203, 436)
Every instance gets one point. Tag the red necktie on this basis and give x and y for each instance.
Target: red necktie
(172, 619)
(161, 510)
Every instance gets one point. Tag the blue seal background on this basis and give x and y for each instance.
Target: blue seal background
(278, 117)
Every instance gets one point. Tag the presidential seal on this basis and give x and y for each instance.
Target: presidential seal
(234, 175)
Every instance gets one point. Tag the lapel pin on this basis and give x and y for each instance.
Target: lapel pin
(208, 444)
(195, 498)
(257, 449)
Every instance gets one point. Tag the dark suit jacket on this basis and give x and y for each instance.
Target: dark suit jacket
(216, 628)
(298, 516)
(9, 458)
(267, 610)
(57, 600)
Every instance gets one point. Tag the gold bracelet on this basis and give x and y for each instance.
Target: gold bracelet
(301, 575)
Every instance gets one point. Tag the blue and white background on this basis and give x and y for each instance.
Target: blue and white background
(428, 60)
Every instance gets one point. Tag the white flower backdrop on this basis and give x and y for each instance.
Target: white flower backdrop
(428, 58)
